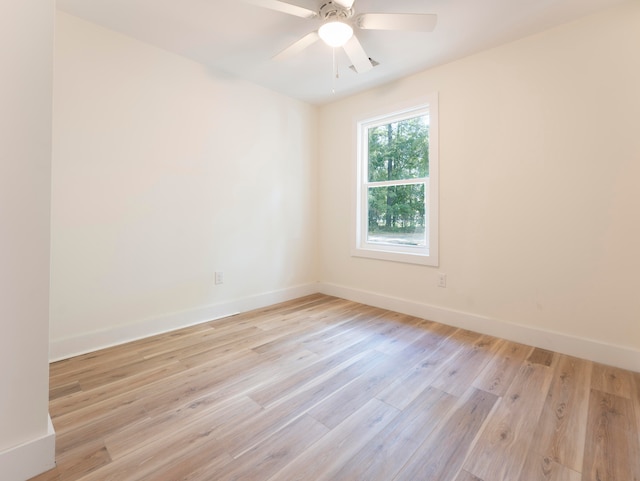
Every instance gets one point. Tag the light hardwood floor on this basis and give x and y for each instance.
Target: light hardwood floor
(325, 389)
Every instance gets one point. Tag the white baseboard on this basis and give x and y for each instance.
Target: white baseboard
(590, 349)
(93, 341)
(29, 459)
(593, 350)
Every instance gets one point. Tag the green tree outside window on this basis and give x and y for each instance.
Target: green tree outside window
(398, 152)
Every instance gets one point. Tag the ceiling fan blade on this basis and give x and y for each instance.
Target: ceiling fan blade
(298, 46)
(284, 7)
(357, 55)
(344, 3)
(416, 22)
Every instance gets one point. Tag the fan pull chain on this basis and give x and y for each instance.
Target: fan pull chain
(335, 74)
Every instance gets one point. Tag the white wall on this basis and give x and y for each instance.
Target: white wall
(539, 197)
(163, 173)
(26, 49)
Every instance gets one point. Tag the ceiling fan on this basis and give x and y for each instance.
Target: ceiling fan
(338, 19)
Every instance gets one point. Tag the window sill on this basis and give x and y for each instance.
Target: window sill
(404, 257)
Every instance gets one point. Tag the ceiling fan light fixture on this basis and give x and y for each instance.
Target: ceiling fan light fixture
(335, 33)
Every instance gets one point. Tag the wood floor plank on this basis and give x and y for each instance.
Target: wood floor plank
(280, 389)
(430, 336)
(85, 366)
(467, 476)
(198, 464)
(502, 447)
(440, 456)
(87, 429)
(157, 454)
(200, 471)
(171, 391)
(337, 407)
(611, 450)
(500, 371)
(561, 431)
(541, 356)
(64, 390)
(270, 368)
(542, 468)
(133, 461)
(349, 399)
(173, 345)
(76, 401)
(87, 458)
(126, 440)
(612, 380)
(273, 418)
(315, 329)
(382, 457)
(230, 343)
(320, 388)
(333, 451)
(456, 380)
(408, 386)
(281, 448)
(196, 382)
(361, 325)
(400, 333)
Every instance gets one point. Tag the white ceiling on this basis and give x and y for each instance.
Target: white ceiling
(235, 38)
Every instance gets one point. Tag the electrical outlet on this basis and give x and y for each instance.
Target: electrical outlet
(442, 280)
(219, 278)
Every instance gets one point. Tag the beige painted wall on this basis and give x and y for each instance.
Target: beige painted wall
(539, 196)
(165, 172)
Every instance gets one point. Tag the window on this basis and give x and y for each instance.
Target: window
(397, 187)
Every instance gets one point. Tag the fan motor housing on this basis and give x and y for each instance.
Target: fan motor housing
(333, 11)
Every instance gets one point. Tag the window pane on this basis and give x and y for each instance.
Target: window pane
(396, 215)
(399, 150)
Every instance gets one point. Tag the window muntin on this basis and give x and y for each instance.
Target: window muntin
(396, 202)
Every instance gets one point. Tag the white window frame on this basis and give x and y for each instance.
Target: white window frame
(424, 255)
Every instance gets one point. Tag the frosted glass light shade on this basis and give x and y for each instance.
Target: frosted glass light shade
(335, 34)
